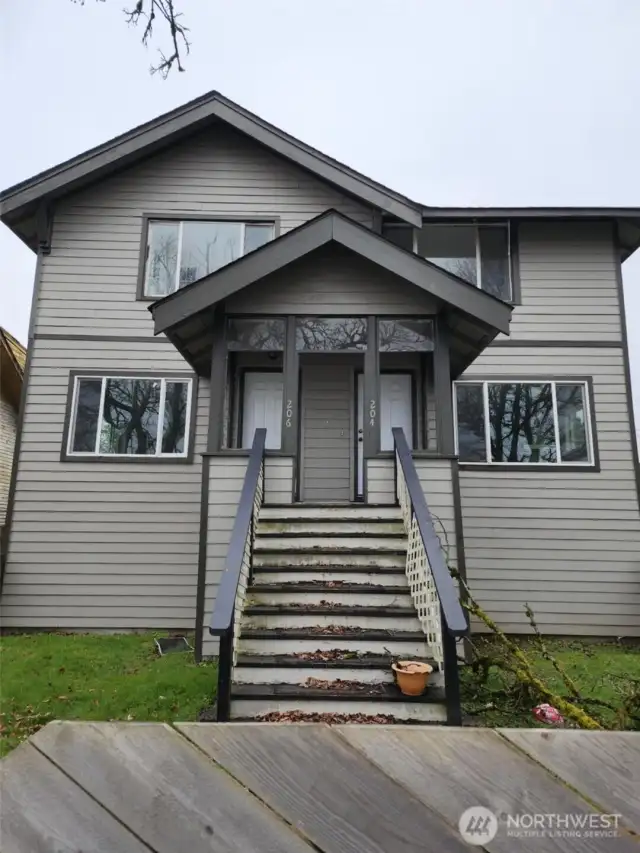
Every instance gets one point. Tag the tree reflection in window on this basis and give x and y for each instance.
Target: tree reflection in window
(521, 423)
(331, 334)
(130, 416)
(405, 335)
(267, 335)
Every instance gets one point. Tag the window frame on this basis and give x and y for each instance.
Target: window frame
(593, 463)
(189, 217)
(67, 455)
(512, 252)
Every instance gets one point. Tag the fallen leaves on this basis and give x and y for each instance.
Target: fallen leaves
(346, 685)
(329, 719)
(329, 655)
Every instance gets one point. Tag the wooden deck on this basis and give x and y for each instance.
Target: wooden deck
(266, 788)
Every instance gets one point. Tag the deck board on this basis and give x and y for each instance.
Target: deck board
(605, 766)
(308, 788)
(337, 798)
(164, 789)
(42, 811)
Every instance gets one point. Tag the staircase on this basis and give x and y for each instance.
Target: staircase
(326, 610)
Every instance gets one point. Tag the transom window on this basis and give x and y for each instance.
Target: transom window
(479, 254)
(130, 416)
(524, 423)
(179, 253)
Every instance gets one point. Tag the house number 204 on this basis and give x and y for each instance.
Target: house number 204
(372, 413)
(288, 413)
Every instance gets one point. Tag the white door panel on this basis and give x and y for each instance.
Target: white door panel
(396, 409)
(262, 407)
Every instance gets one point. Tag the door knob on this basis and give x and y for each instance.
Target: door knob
(360, 431)
(360, 439)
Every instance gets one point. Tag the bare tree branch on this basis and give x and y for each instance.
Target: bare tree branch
(147, 13)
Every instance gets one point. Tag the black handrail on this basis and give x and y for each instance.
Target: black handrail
(222, 618)
(453, 615)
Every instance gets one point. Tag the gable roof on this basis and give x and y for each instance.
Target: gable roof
(14, 349)
(19, 201)
(186, 314)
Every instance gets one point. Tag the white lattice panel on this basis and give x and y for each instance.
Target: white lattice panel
(418, 571)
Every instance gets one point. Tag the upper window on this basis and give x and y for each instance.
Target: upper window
(543, 423)
(129, 416)
(331, 334)
(179, 253)
(479, 254)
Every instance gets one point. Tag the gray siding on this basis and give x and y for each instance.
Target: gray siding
(379, 483)
(226, 476)
(89, 279)
(278, 480)
(437, 485)
(8, 426)
(93, 544)
(568, 282)
(332, 281)
(566, 543)
(327, 431)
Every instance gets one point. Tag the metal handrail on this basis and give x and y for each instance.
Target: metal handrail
(224, 609)
(453, 615)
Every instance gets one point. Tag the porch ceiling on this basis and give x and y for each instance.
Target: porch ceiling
(186, 317)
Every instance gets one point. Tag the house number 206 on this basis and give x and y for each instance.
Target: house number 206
(288, 413)
(372, 412)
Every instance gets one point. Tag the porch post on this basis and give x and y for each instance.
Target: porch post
(290, 397)
(218, 383)
(371, 389)
(442, 387)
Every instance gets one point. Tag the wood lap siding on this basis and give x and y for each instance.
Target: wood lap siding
(568, 283)
(89, 279)
(278, 483)
(8, 426)
(566, 543)
(100, 545)
(332, 281)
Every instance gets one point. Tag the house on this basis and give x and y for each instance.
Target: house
(12, 360)
(271, 398)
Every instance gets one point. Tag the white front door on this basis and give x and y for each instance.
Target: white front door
(395, 410)
(262, 407)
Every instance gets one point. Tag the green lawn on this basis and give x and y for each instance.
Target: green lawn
(95, 677)
(603, 672)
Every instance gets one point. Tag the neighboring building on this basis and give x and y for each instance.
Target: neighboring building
(12, 361)
(206, 275)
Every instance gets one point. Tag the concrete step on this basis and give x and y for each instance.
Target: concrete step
(288, 616)
(364, 574)
(331, 528)
(310, 512)
(329, 561)
(291, 669)
(369, 595)
(251, 700)
(331, 544)
(279, 641)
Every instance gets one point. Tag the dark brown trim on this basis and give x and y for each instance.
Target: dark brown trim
(189, 217)
(564, 344)
(218, 379)
(514, 252)
(290, 391)
(371, 392)
(531, 468)
(65, 456)
(627, 363)
(202, 558)
(443, 388)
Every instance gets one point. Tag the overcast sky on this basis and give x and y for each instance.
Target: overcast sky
(452, 103)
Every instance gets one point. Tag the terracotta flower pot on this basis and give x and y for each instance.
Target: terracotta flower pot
(412, 676)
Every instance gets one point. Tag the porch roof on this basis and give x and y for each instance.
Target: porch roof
(474, 317)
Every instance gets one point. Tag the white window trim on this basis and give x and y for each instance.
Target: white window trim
(590, 463)
(163, 390)
(181, 223)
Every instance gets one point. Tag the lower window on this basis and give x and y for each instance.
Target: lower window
(533, 423)
(130, 416)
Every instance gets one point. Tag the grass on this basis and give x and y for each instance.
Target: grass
(603, 672)
(47, 677)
